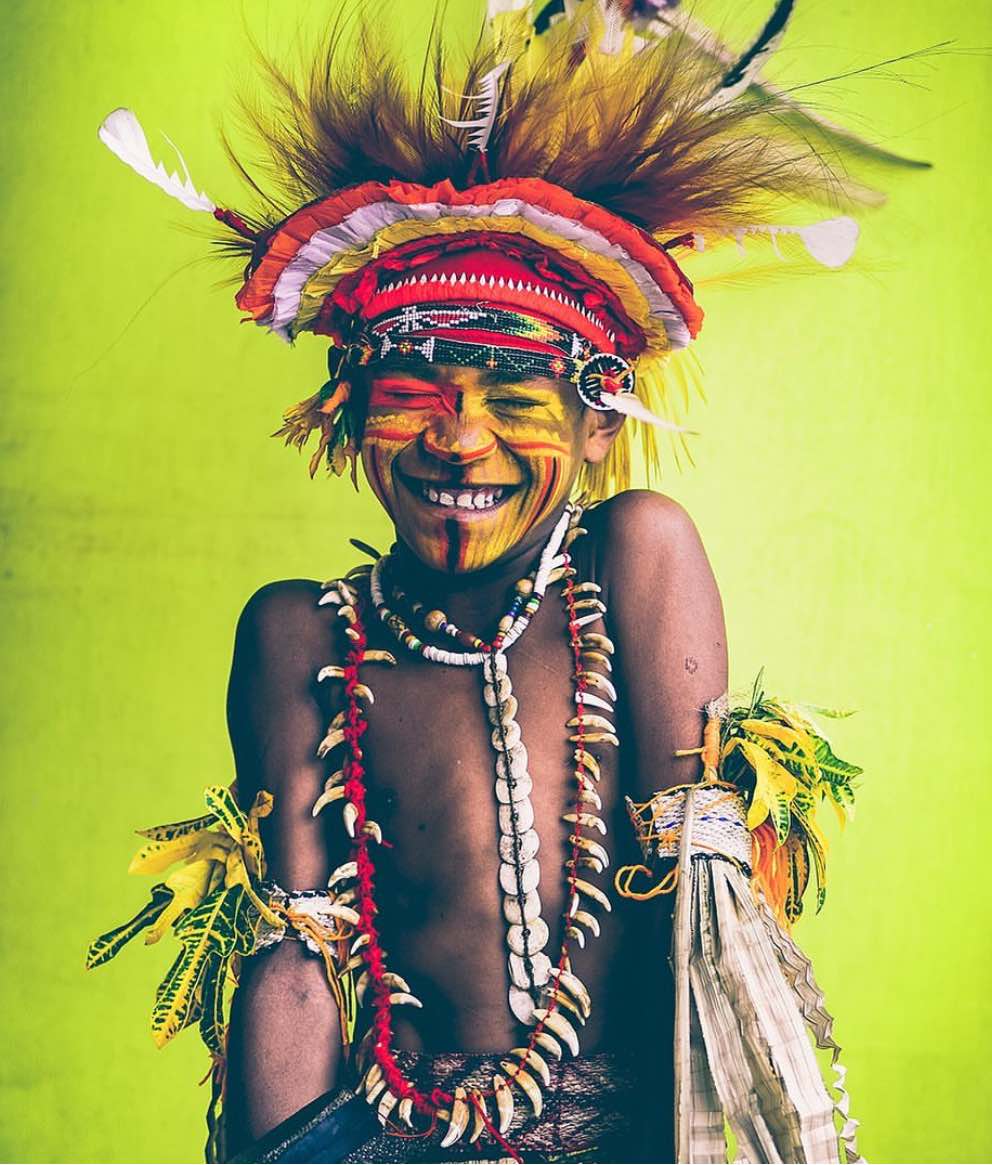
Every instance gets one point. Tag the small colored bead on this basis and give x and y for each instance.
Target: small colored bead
(434, 620)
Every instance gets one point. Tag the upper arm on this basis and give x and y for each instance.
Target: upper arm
(276, 719)
(667, 618)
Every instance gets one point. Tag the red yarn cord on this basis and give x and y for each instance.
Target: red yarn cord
(355, 788)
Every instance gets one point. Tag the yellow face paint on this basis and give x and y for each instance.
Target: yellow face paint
(465, 462)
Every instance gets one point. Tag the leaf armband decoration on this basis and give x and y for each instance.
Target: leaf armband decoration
(776, 753)
(213, 902)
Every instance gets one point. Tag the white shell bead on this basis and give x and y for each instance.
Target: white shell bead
(522, 1005)
(525, 816)
(517, 766)
(537, 939)
(531, 910)
(505, 712)
(522, 786)
(540, 965)
(506, 736)
(530, 876)
(530, 843)
(495, 695)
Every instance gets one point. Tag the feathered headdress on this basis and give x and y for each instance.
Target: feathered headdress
(554, 177)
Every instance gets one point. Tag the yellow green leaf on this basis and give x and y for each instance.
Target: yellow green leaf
(103, 949)
(158, 856)
(789, 737)
(178, 828)
(212, 1026)
(188, 886)
(207, 933)
(221, 801)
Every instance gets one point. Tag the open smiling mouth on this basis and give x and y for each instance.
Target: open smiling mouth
(458, 497)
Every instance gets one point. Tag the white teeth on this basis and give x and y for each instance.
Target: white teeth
(480, 502)
(464, 501)
(446, 499)
(469, 499)
(432, 494)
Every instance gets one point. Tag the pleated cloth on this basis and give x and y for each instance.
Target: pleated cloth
(746, 1005)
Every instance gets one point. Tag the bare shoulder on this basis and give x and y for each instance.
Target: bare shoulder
(283, 621)
(646, 537)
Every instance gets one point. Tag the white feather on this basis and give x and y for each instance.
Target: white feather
(488, 98)
(122, 134)
(630, 405)
(830, 242)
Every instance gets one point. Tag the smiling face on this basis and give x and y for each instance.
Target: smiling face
(467, 463)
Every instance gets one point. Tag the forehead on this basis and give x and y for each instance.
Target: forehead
(456, 377)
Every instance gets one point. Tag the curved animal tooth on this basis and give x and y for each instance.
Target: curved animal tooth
(348, 592)
(405, 1111)
(531, 1059)
(479, 1115)
(559, 1026)
(594, 893)
(458, 1121)
(329, 596)
(590, 921)
(345, 871)
(334, 793)
(504, 1102)
(588, 820)
(347, 611)
(396, 998)
(345, 913)
(346, 897)
(588, 862)
(362, 941)
(577, 935)
(587, 795)
(584, 605)
(588, 762)
(590, 847)
(588, 588)
(527, 843)
(569, 1004)
(354, 962)
(576, 988)
(599, 657)
(349, 815)
(526, 1083)
(373, 1094)
(598, 642)
(537, 938)
(387, 1103)
(595, 738)
(501, 714)
(330, 672)
(371, 1077)
(591, 720)
(561, 572)
(591, 700)
(597, 680)
(364, 692)
(353, 634)
(375, 655)
(330, 741)
(585, 620)
(374, 830)
(548, 1042)
(575, 532)
(391, 979)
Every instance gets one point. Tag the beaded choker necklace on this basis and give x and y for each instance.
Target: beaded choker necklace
(545, 996)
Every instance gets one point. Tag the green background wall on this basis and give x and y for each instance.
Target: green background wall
(840, 488)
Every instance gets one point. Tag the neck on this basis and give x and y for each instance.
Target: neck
(476, 599)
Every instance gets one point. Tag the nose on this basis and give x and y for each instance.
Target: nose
(458, 439)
